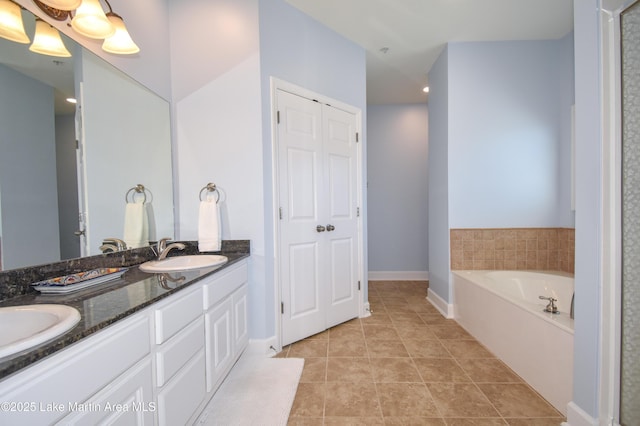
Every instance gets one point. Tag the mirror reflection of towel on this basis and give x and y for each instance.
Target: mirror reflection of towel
(209, 238)
(136, 225)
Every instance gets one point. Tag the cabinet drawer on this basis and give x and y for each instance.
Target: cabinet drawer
(175, 315)
(222, 286)
(182, 396)
(178, 350)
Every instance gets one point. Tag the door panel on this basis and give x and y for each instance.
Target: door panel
(341, 272)
(341, 168)
(299, 175)
(305, 295)
(303, 185)
(318, 232)
(340, 197)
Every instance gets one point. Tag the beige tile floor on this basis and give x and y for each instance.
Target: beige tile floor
(408, 365)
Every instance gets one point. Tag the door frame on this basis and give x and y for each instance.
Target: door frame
(611, 139)
(275, 85)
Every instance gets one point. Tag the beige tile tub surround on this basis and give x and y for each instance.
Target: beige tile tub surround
(550, 249)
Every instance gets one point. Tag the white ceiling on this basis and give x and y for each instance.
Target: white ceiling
(415, 31)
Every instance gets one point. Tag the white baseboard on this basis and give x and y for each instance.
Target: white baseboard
(266, 346)
(440, 304)
(398, 276)
(576, 416)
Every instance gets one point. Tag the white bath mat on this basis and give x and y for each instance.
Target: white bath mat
(257, 391)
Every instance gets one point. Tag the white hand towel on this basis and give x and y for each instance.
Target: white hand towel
(136, 225)
(209, 237)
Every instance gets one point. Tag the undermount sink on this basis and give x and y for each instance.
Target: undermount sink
(183, 263)
(25, 326)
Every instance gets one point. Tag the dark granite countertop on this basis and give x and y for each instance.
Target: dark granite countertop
(110, 302)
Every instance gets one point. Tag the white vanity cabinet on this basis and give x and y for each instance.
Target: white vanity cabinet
(226, 333)
(126, 401)
(77, 381)
(160, 365)
(179, 355)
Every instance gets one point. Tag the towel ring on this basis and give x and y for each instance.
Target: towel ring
(138, 189)
(210, 187)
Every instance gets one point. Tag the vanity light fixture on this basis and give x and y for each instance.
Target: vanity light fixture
(11, 25)
(62, 4)
(91, 21)
(120, 42)
(47, 41)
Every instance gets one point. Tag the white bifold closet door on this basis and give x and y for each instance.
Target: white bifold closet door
(318, 210)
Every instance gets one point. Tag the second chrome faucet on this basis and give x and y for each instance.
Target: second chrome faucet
(163, 249)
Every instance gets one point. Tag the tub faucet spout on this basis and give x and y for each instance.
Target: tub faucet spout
(571, 314)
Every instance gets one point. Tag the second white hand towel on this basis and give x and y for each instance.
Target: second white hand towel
(209, 238)
(136, 226)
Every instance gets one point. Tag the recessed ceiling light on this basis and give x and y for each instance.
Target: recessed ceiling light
(72, 100)
(426, 89)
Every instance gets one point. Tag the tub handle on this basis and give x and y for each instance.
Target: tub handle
(551, 307)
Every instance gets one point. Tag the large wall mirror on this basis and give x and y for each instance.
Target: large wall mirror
(65, 170)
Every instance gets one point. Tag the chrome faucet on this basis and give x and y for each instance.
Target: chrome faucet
(551, 307)
(164, 249)
(108, 248)
(113, 245)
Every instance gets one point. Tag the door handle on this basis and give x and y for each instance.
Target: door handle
(330, 227)
(320, 228)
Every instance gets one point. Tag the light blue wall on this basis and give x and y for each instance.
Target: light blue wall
(299, 50)
(27, 174)
(67, 174)
(564, 58)
(510, 104)
(588, 312)
(505, 138)
(439, 176)
(397, 182)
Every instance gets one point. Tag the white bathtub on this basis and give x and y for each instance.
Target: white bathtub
(501, 309)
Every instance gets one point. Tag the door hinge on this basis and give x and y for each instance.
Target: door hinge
(357, 137)
(358, 285)
(357, 211)
(277, 117)
(77, 144)
(282, 307)
(280, 213)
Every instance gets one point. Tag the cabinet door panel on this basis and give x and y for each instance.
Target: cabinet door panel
(127, 401)
(240, 324)
(219, 341)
